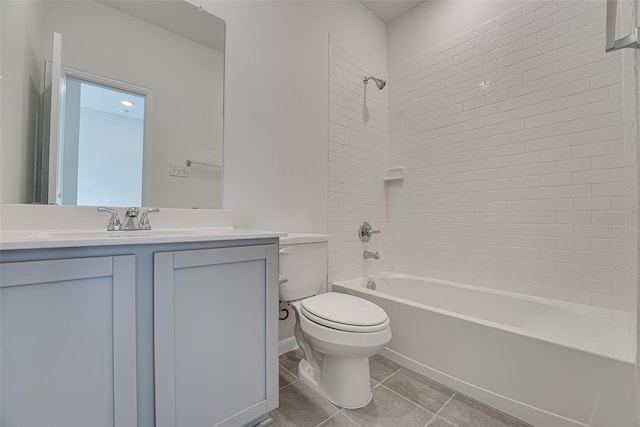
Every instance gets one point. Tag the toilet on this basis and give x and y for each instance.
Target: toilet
(337, 332)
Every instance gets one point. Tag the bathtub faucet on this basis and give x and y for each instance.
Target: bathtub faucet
(372, 255)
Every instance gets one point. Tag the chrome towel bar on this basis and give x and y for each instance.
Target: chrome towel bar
(211, 165)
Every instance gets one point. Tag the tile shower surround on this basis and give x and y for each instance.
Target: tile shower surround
(400, 398)
(519, 160)
(513, 136)
(358, 151)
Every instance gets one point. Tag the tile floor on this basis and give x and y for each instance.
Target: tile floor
(401, 398)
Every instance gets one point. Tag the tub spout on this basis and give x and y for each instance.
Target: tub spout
(372, 255)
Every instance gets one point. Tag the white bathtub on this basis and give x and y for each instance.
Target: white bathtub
(546, 362)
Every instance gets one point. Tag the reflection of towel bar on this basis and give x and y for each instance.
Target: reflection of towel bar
(191, 162)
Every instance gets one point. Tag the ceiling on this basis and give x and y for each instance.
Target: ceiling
(109, 100)
(388, 10)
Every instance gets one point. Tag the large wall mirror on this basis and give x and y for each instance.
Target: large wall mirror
(140, 116)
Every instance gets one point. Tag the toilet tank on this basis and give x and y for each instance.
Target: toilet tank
(303, 261)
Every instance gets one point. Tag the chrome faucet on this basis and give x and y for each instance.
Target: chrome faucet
(132, 219)
(370, 255)
(132, 222)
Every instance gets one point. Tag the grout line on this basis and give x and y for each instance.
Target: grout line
(449, 423)
(292, 382)
(289, 372)
(407, 399)
(346, 414)
(419, 405)
(430, 419)
(340, 411)
(445, 403)
(287, 385)
(437, 414)
(327, 419)
(386, 378)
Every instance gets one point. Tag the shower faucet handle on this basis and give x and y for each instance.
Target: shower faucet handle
(366, 231)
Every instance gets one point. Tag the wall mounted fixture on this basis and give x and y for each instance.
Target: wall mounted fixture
(394, 174)
(365, 232)
(370, 255)
(628, 41)
(193, 162)
(379, 82)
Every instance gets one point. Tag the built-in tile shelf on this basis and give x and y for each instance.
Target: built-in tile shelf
(395, 174)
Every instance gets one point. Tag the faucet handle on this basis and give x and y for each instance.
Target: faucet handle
(144, 218)
(114, 222)
(365, 231)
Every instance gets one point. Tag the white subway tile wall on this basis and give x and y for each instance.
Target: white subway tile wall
(519, 139)
(358, 151)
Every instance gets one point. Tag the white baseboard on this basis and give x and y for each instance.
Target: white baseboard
(287, 345)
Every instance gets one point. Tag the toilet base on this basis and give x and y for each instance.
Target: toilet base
(343, 381)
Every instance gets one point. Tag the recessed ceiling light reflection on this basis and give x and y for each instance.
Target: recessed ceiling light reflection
(127, 103)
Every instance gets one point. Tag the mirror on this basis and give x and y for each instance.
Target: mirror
(165, 56)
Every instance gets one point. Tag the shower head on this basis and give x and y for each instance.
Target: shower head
(379, 82)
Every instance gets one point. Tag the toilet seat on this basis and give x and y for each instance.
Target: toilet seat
(344, 312)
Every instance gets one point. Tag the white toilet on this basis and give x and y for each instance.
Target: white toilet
(337, 332)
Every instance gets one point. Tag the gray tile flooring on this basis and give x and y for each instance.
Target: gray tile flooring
(401, 398)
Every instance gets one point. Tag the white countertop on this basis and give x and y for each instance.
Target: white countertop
(46, 226)
(44, 239)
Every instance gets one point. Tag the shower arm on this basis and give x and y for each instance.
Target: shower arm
(366, 79)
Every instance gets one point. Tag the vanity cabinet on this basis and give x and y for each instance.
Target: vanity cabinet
(67, 342)
(214, 314)
(163, 334)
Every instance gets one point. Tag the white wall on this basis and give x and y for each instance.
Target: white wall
(20, 68)
(511, 134)
(276, 105)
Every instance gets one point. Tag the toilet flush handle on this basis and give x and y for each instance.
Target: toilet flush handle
(282, 279)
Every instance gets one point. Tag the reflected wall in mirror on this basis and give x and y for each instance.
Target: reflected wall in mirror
(169, 52)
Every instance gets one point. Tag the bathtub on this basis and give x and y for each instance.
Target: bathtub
(546, 362)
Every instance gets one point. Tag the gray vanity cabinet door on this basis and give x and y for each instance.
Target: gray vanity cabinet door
(215, 327)
(67, 342)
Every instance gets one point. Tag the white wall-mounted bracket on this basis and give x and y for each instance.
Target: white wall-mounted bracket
(629, 41)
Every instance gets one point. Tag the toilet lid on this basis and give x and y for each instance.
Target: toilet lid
(345, 312)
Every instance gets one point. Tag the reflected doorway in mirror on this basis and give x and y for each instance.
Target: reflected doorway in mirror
(104, 126)
(104, 132)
